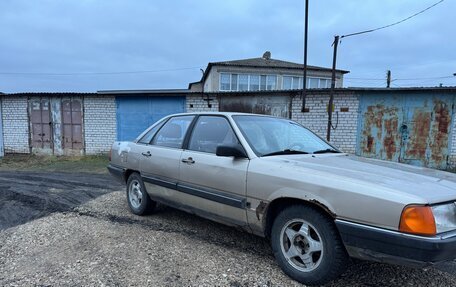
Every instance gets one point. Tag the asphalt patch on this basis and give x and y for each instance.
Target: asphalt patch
(25, 196)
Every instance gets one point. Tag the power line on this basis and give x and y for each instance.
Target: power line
(94, 73)
(392, 24)
(400, 79)
(367, 79)
(429, 78)
(338, 38)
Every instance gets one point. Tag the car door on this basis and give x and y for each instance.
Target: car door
(160, 159)
(213, 184)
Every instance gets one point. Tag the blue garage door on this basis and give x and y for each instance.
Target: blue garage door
(135, 114)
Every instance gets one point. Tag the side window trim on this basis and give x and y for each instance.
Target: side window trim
(189, 133)
(164, 123)
(192, 127)
(159, 125)
(185, 136)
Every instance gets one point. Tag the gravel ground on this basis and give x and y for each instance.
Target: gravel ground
(98, 242)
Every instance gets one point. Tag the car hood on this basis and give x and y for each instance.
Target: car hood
(432, 186)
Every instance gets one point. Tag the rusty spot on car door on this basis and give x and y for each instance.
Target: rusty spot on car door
(260, 209)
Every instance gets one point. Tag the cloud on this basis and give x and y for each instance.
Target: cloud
(52, 36)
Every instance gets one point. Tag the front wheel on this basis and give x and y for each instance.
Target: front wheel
(307, 245)
(137, 197)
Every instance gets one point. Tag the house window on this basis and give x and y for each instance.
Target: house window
(313, 83)
(254, 82)
(287, 82)
(234, 82)
(247, 82)
(297, 82)
(225, 82)
(263, 82)
(271, 82)
(292, 82)
(243, 82)
(325, 83)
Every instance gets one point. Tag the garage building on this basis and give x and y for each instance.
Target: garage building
(410, 125)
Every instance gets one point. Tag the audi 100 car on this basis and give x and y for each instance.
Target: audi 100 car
(275, 178)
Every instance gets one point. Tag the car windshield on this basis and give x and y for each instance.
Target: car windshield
(270, 136)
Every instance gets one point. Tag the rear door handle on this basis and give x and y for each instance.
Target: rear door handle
(188, 160)
(146, 154)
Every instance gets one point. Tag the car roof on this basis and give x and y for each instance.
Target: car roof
(222, 113)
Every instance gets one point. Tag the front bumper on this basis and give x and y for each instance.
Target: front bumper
(381, 245)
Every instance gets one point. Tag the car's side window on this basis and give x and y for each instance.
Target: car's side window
(172, 133)
(210, 132)
(150, 134)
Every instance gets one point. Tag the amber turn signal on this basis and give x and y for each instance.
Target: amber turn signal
(417, 219)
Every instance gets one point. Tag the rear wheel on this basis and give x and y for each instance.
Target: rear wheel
(307, 245)
(137, 197)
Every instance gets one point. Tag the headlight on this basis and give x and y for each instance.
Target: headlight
(445, 217)
(428, 220)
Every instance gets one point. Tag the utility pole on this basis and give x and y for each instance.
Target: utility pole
(388, 78)
(331, 92)
(304, 78)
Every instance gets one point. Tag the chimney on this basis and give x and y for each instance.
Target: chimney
(267, 55)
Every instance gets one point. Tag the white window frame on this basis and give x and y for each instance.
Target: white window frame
(319, 78)
(248, 81)
(292, 80)
(283, 76)
(276, 82)
(237, 82)
(277, 87)
(259, 81)
(220, 82)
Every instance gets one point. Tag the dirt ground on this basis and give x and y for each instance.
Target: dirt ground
(75, 229)
(23, 162)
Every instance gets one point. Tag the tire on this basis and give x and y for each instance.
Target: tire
(137, 197)
(316, 254)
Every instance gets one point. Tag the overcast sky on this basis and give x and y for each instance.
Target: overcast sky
(174, 39)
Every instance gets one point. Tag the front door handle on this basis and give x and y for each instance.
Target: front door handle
(188, 160)
(146, 154)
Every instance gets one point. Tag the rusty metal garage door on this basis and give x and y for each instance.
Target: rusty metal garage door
(40, 121)
(408, 128)
(278, 106)
(72, 141)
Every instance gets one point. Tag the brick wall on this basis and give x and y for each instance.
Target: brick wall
(195, 103)
(316, 119)
(15, 124)
(99, 123)
(452, 158)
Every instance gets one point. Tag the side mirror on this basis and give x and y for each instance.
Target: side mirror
(230, 150)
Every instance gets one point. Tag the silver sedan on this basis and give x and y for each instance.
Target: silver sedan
(277, 179)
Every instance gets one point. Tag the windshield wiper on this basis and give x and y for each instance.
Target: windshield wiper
(286, 151)
(328, 150)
